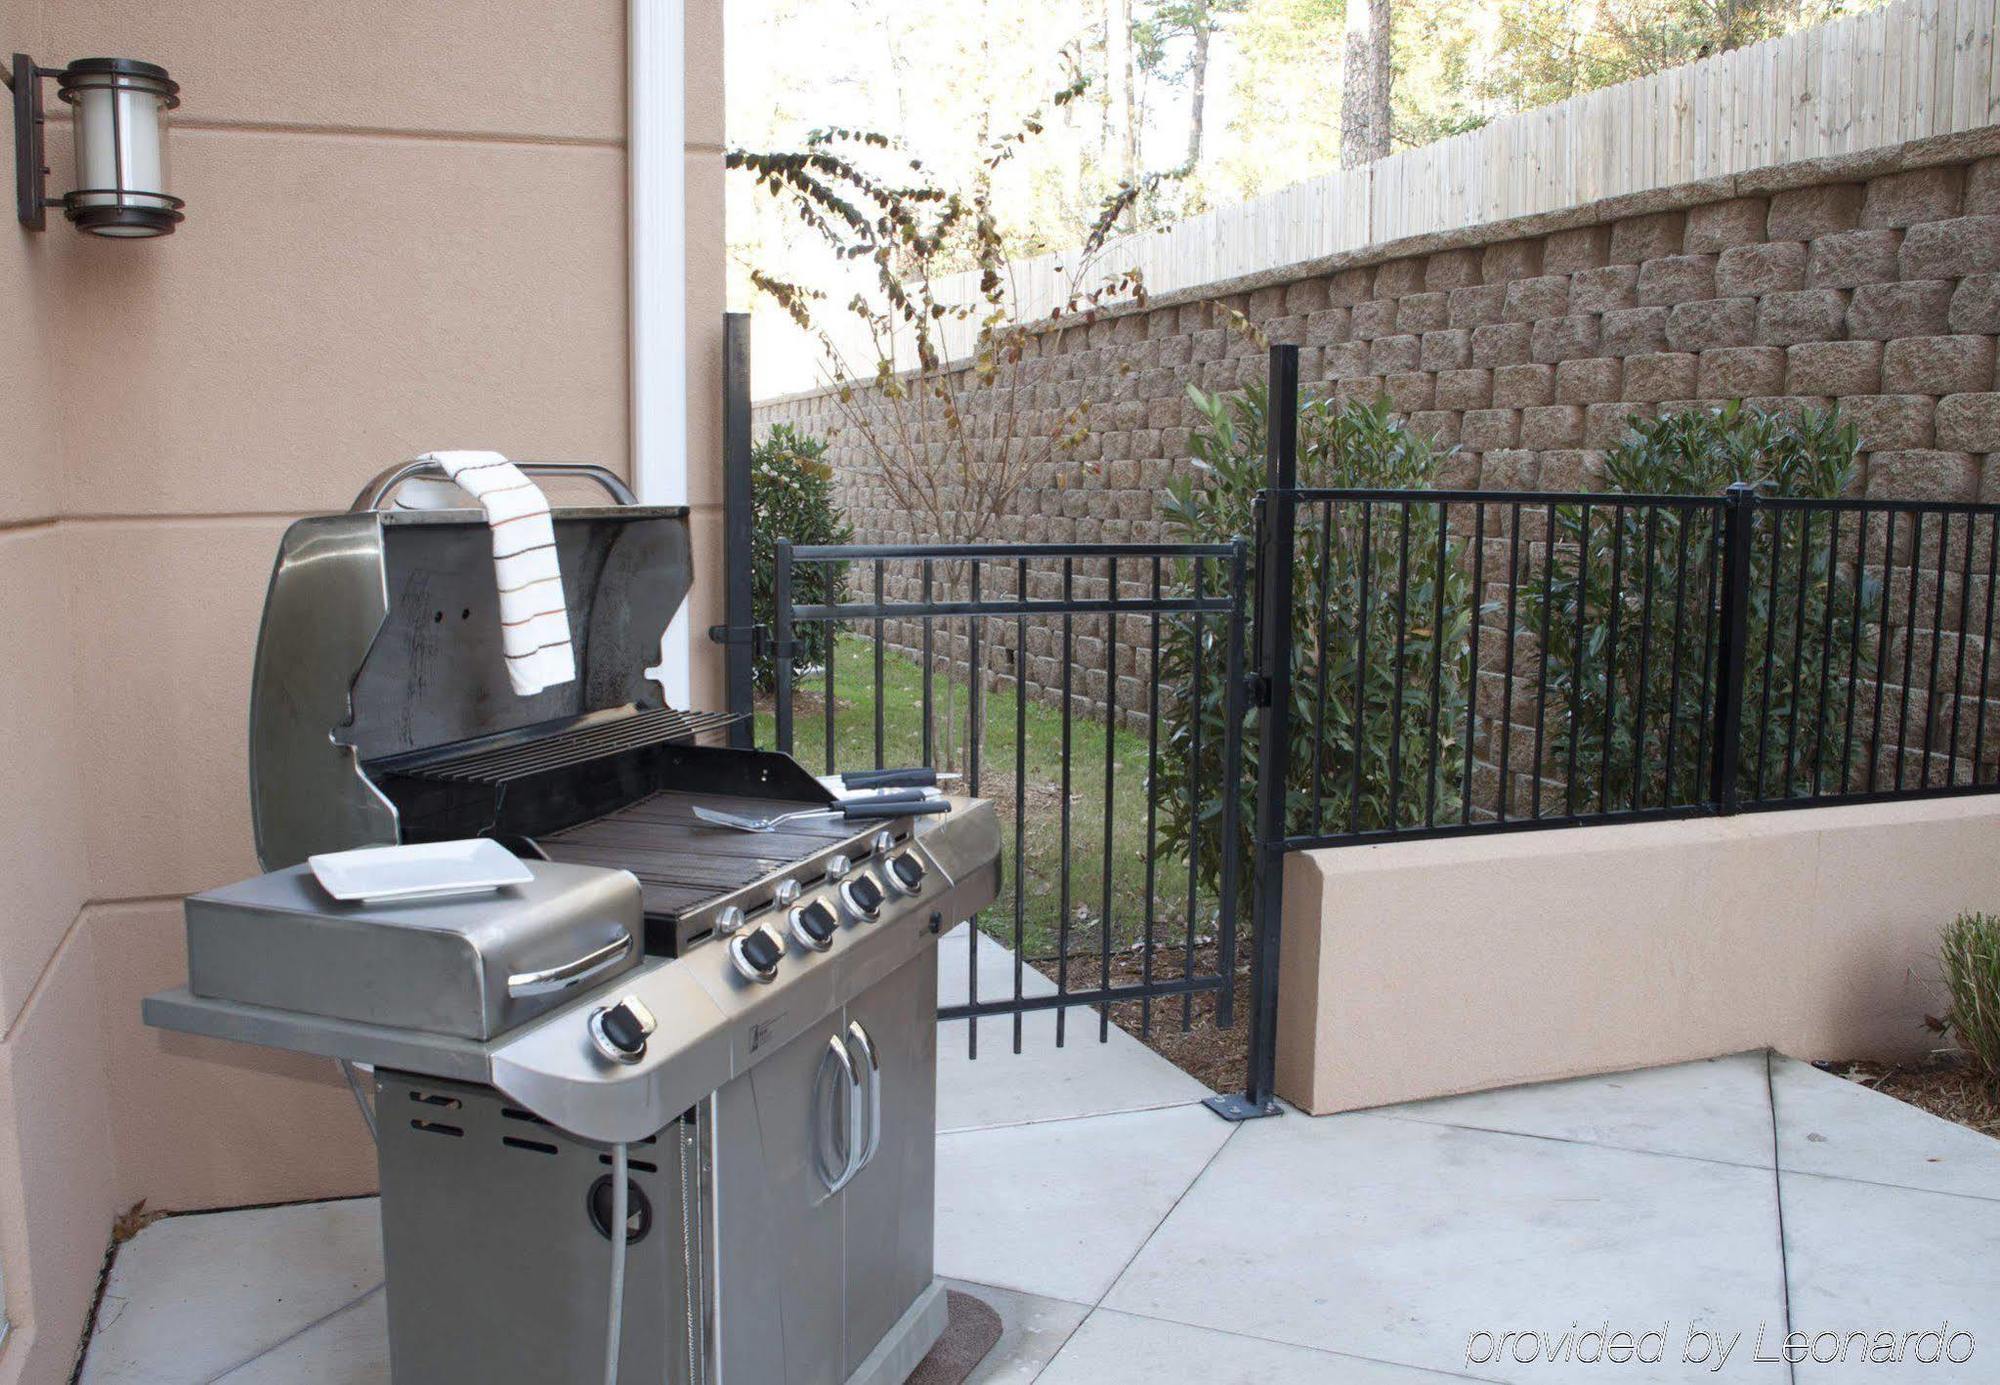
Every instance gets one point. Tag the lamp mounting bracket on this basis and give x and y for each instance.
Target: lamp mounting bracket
(30, 156)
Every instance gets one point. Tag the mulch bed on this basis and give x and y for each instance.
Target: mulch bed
(1944, 1086)
(1217, 1058)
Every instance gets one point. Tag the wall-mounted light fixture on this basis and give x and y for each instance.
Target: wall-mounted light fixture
(120, 108)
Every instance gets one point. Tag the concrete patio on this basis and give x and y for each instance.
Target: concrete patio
(1127, 1235)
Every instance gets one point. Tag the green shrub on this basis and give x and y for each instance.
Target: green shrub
(1972, 976)
(1801, 613)
(1352, 445)
(791, 497)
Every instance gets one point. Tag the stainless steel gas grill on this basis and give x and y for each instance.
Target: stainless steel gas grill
(743, 1020)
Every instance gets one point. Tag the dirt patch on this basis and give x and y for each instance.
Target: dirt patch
(1217, 1058)
(132, 1221)
(1944, 1086)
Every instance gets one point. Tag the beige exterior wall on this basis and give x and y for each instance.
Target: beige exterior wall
(406, 230)
(1423, 969)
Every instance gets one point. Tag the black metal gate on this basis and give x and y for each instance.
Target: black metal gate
(1096, 693)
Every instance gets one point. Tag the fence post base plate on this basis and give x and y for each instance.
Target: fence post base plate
(1237, 1106)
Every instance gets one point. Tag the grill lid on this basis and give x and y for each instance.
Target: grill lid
(381, 642)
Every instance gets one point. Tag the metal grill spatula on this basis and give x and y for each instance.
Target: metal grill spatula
(887, 803)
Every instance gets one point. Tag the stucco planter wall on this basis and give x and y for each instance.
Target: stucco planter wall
(1422, 969)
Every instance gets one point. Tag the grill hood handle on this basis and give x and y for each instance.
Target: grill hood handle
(377, 492)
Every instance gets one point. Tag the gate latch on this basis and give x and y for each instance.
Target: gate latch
(1257, 688)
(756, 636)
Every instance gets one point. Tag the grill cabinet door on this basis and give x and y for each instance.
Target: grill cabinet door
(890, 1211)
(779, 1254)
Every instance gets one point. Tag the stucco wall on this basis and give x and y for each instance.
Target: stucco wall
(1422, 969)
(406, 229)
(1871, 282)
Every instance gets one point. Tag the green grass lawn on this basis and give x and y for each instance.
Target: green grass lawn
(1041, 858)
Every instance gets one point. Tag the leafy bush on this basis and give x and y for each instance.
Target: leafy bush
(791, 497)
(1352, 445)
(1627, 695)
(1972, 976)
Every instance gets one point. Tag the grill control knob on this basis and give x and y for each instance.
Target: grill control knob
(620, 1031)
(756, 953)
(814, 925)
(837, 868)
(786, 894)
(862, 895)
(906, 872)
(884, 843)
(729, 920)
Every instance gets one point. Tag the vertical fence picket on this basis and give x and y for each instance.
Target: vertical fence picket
(1506, 787)
(1732, 643)
(781, 642)
(1909, 643)
(1104, 918)
(1020, 794)
(1986, 638)
(1152, 810)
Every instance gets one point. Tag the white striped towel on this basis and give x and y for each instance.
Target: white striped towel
(534, 620)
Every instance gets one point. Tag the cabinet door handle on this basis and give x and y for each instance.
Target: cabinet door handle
(871, 1071)
(838, 1151)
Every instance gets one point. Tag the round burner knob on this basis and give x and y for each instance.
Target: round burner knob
(837, 868)
(756, 954)
(884, 843)
(814, 925)
(906, 872)
(862, 895)
(786, 894)
(620, 1031)
(728, 920)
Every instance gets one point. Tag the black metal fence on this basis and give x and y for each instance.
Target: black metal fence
(1095, 693)
(1464, 661)
(1446, 662)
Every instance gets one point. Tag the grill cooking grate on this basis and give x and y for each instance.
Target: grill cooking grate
(500, 765)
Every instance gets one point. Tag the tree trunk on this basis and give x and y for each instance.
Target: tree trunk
(1380, 76)
(1104, 87)
(1129, 77)
(1198, 84)
(1364, 84)
(983, 174)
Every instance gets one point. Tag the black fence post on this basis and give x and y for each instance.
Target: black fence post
(738, 634)
(1274, 701)
(781, 641)
(1739, 511)
(1235, 704)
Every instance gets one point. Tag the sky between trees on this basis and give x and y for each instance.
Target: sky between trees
(1215, 101)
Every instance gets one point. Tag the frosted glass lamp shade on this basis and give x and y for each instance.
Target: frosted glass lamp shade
(120, 107)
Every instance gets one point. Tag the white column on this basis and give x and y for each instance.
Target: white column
(656, 148)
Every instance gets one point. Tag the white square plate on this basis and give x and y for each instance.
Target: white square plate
(422, 870)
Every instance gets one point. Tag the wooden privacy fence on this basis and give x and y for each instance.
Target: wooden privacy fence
(1905, 71)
